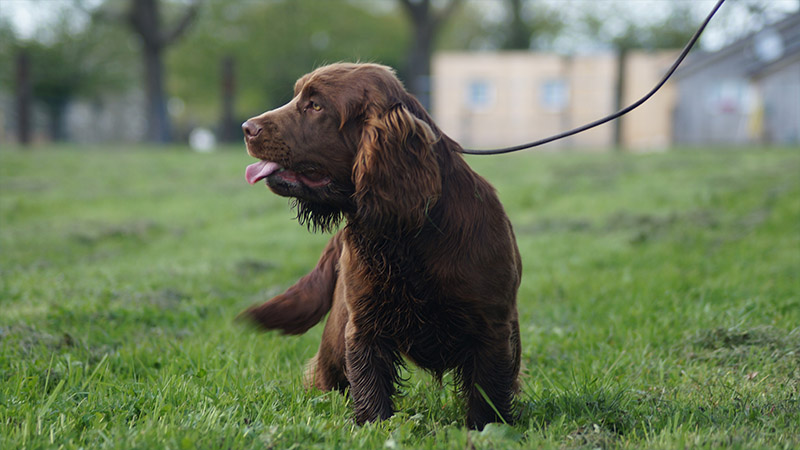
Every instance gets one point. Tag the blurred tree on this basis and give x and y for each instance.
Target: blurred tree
(426, 21)
(23, 96)
(144, 18)
(529, 24)
(673, 32)
(519, 34)
(625, 31)
(15, 76)
(66, 62)
(467, 30)
(669, 25)
(271, 44)
(228, 129)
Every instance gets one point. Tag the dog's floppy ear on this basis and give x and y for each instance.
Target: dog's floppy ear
(396, 173)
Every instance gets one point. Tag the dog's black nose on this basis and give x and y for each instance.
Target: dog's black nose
(250, 129)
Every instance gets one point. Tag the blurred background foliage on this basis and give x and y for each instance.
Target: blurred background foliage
(175, 53)
(273, 43)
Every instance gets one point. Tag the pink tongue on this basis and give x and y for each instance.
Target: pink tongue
(259, 171)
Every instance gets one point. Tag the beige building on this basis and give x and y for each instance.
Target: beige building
(497, 99)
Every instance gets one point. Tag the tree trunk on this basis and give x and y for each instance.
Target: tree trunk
(146, 22)
(426, 22)
(159, 129)
(228, 130)
(619, 97)
(418, 67)
(23, 98)
(519, 36)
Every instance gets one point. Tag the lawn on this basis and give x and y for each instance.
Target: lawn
(660, 306)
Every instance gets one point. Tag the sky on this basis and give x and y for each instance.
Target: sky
(28, 16)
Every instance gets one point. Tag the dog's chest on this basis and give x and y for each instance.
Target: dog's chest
(431, 333)
(398, 298)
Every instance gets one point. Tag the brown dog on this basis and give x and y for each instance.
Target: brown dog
(427, 266)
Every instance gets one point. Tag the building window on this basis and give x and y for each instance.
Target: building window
(480, 94)
(730, 96)
(554, 95)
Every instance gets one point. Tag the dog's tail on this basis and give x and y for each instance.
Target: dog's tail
(303, 305)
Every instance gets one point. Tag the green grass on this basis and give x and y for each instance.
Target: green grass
(659, 309)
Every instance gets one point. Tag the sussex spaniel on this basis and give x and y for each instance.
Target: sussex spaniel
(426, 267)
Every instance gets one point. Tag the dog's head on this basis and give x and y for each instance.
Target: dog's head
(351, 141)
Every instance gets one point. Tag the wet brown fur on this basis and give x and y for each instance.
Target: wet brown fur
(427, 266)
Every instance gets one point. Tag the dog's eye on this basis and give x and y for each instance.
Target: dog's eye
(315, 106)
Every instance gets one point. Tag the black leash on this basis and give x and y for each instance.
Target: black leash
(611, 117)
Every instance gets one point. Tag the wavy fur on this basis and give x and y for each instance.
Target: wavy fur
(426, 268)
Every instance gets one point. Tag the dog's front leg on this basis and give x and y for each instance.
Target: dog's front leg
(372, 372)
